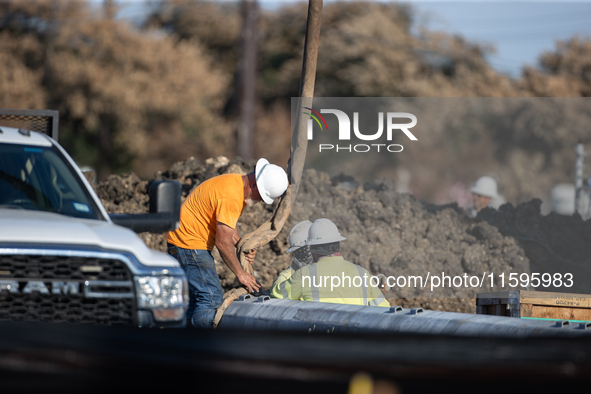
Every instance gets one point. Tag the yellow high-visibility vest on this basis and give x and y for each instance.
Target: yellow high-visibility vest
(332, 279)
(281, 287)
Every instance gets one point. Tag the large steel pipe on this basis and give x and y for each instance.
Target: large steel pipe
(272, 314)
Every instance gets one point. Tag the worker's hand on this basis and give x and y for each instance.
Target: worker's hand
(383, 283)
(250, 255)
(249, 281)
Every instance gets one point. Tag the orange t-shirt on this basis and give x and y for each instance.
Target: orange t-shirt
(219, 199)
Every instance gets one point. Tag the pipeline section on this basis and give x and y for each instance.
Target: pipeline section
(264, 313)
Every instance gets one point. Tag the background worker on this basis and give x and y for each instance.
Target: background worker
(300, 257)
(324, 241)
(208, 218)
(483, 193)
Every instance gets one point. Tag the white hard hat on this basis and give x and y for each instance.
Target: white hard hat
(298, 235)
(485, 186)
(323, 231)
(271, 180)
(563, 198)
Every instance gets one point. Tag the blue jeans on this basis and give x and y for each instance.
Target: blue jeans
(205, 289)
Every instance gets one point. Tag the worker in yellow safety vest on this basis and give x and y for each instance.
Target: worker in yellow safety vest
(331, 278)
(300, 257)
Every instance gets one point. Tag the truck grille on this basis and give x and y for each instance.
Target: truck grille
(70, 289)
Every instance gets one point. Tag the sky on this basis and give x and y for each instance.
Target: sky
(519, 30)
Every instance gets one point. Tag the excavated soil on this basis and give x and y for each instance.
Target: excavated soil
(390, 233)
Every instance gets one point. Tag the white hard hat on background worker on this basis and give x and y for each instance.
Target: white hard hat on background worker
(485, 186)
(271, 180)
(298, 235)
(300, 252)
(484, 193)
(323, 231)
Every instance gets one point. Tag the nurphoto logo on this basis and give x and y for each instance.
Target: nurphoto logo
(392, 120)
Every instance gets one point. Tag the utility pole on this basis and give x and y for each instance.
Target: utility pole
(105, 137)
(110, 9)
(248, 76)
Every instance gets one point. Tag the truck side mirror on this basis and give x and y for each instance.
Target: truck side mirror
(165, 197)
(165, 210)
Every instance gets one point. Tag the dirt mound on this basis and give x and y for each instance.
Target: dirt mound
(123, 194)
(554, 243)
(387, 232)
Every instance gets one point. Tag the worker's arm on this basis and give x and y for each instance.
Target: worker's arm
(236, 238)
(295, 284)
(282, 288)
(377, 297)
(224, 241)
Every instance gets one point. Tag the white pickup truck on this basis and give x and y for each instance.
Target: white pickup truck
(63, 258)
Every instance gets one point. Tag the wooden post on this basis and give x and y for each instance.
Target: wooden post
(299, 139)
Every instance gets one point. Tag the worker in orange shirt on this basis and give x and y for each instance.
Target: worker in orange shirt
(208, 218)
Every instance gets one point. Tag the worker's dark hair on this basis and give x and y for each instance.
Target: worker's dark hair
(325, 249)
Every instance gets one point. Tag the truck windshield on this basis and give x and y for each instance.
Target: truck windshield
(40, 178)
